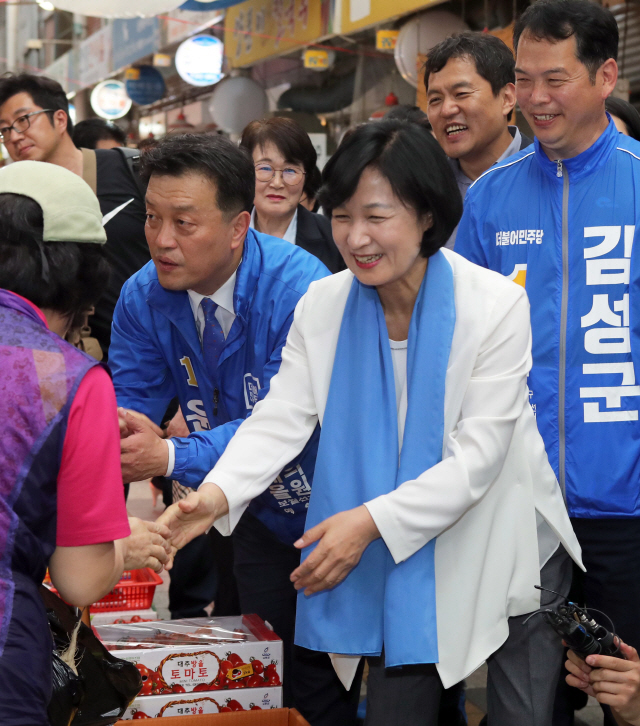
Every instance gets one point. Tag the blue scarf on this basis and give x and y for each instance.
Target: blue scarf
(380, 603)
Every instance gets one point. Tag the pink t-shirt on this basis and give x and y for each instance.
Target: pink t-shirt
(91, 506)
(90, 492)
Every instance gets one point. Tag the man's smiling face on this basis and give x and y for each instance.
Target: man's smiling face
(561, 102)
(465, 114)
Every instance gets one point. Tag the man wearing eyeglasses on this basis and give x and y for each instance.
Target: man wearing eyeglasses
(35, 125)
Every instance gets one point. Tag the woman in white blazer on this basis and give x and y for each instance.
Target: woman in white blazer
(433, 505)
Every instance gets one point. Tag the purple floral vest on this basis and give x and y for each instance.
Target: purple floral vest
(39, 376)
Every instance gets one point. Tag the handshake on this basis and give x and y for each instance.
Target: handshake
(144, 454)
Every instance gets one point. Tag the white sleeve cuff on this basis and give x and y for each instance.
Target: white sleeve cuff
(399, 541)
(172, 457)
(236, 502)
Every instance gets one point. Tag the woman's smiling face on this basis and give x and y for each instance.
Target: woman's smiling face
(379, 236)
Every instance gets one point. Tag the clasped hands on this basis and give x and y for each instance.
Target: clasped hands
(612, 681)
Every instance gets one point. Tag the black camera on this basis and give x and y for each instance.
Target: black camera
(580, 631)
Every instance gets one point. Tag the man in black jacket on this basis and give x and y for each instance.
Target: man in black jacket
(471, 93)
(35, 124)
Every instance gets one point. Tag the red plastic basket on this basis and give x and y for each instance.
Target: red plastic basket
(134, 592)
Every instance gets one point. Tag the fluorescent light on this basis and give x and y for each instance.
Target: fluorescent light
(46, 5)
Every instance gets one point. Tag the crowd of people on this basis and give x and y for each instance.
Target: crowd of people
(379, 427)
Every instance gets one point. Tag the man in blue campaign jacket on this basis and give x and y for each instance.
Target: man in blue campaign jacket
(206, 320)
(157, 354)
(562, 219)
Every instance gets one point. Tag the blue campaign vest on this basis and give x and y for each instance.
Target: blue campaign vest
(513, 223)
(270, 281)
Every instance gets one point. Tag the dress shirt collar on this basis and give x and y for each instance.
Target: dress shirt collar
(292, 229)
(463, 180)
(222, 297)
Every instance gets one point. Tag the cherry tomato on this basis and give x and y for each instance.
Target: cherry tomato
(271, 668)
(225, 666)
(203, 687)
(178, 689)
(258, 666)
(255, 708)
(140, 714)
(255, 681)
(235, 659)
(274, 680)
(145, 673)
(136, 619)
(224, 709)
(234, 705)
(215, 685)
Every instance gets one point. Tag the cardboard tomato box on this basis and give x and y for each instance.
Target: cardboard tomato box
(272, 717)
(192, 704)
(123, 616)
(198, 654)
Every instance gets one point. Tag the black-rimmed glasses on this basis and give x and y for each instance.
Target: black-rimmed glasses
(21, 124)
(266, 172)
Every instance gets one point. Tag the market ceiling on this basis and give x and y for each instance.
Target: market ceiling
(123, 8)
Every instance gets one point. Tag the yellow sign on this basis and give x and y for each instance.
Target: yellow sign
(132, 74)
(357, 14)
(386, 39)
(258, 29)
(161, 59)
(316, 59)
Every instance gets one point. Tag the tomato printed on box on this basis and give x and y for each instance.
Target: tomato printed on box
(198, 654)
(195, 704)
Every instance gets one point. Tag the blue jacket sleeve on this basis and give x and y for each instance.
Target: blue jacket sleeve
(140, 374)
(197, 454)
(469, 236)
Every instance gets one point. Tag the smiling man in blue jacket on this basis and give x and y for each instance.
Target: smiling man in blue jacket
(562, 218)
(206, 321)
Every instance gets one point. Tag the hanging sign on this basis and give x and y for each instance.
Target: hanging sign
(109, 100)
(144, 84)
(386, 39)
(260, 29)
(352, 15)
(199, 60)
(316, 59)
(162, 60)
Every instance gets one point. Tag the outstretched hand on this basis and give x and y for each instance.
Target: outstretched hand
(143, 453)
(612, 681)
(147, 546)
(194, 515)
(341, 541)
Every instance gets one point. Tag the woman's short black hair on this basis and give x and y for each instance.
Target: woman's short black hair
(625, 112)
(408, 156)
(594, 27)
(228, 167)
(291, 140)
(78, 272)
